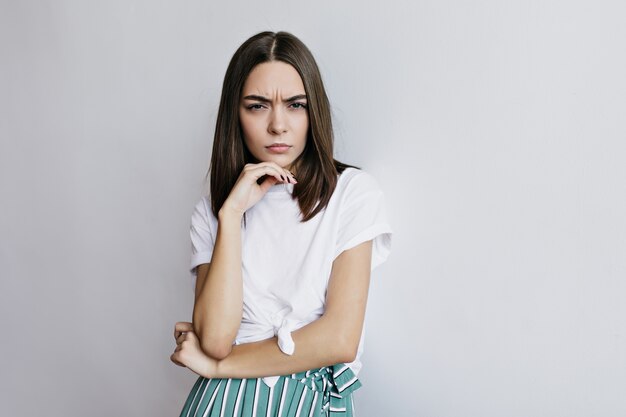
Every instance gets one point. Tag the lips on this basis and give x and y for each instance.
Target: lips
(278, 147)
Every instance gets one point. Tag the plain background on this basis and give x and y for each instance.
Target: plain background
(495, 128)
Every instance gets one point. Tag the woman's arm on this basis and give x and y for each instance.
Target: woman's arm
(218, 307)
(333, 338)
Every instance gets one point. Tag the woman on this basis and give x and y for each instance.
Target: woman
(282, 247)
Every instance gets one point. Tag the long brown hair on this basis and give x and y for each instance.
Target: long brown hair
(316, 167)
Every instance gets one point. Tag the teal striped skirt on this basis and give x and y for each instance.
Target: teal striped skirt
(325, 391)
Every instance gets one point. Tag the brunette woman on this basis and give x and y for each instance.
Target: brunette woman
(282, 247)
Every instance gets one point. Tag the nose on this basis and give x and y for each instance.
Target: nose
(277, 123)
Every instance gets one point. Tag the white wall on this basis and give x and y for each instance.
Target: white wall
(496, 129)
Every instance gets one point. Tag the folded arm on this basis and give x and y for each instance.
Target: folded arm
(333, 338)
(218, 306)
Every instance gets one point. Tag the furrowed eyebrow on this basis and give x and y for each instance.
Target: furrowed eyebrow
(257, 98)
(296, 97)
(267, 100)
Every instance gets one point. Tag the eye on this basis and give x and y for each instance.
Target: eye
(255, 107)
(298, 105)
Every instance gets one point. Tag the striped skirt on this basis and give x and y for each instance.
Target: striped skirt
(325, 391)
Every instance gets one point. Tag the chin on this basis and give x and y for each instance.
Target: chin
(282, 162)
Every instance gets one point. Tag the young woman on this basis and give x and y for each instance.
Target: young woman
(282, 248)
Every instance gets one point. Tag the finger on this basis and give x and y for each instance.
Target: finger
(267, 169)
(267, 183)
(285, 174)
(261, 169)
(292, 177)
(182, 326)
(289, 177)
(173, 357)
(181, 337)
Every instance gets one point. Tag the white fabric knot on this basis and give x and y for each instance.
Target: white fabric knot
(282, 329)
(285, 341)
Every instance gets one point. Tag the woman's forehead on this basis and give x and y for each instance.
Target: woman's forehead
(271, 78)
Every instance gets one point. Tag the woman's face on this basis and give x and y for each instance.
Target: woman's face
(273, 113)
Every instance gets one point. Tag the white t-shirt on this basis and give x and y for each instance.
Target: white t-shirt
(286, 264)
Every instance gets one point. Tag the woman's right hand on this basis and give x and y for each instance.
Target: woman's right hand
(246, 192)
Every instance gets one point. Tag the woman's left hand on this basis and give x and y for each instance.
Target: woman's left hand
(188, 352)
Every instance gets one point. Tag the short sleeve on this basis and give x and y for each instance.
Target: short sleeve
(202, 237)
(363, 217)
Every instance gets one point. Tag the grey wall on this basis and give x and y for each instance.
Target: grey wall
(496, 129)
